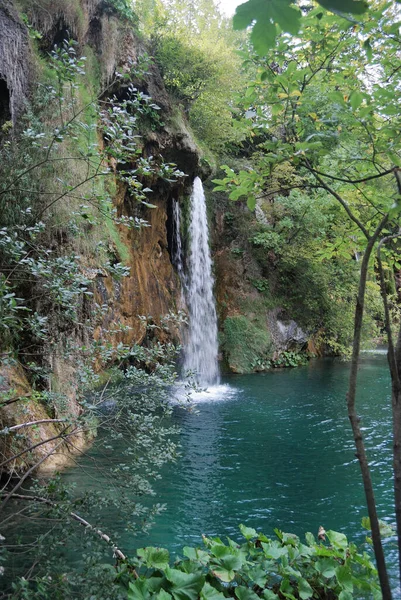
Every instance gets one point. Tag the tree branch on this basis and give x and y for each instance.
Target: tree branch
(30, 424)
(339, 198)
(116, 551)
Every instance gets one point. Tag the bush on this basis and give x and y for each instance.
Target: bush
(259, 568)
(245, 344)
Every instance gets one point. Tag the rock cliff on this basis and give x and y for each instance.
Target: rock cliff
(28, 32)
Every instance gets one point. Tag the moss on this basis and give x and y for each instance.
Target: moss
(119, 245)
(246, 344)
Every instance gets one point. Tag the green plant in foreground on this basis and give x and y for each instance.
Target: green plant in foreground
(258, 568)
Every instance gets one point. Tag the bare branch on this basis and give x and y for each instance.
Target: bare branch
(30, 424)
(116, 551)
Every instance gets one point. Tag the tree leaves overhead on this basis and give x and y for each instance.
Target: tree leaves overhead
(266, 15)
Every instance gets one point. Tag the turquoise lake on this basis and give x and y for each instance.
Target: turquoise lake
(273, 450)
(267, 450)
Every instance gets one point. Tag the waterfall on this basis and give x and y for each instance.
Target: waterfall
(201, 348)
(177, 248)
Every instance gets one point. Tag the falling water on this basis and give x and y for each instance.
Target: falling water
(177, 249)
(200, 354)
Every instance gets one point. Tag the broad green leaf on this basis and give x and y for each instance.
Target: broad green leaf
(286, 589)
(386, 530)
(355, 100)
(184, 586)
(248, 532)
(263, 35)
(156, 558)
(326, 567)
(223, 574)
(368, 49)
(265, 16)
(344, 577)
(139, 590)
(310, 538)
(244, 593)
(304, 589)
(346, 595)
(208, 592)
(251, 202)
(163, 595)
(274, 551)
(269, 595)
(337, 539)
(356, 7)
(394, 158)
(196, 554)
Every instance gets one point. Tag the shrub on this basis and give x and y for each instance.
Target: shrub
(245, 344)
(259, 568)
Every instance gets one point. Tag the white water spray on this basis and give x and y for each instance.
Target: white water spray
(201, 349)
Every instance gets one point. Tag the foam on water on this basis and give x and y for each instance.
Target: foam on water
(215, 393)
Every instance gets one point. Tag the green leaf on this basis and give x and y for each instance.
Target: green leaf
(337, 539)
(208, 592)
(368, 49)
(251, 202)
(196, 554)
(310, 538)
(394, 158)
(184, 586)
(274, 551)
(156, 558)
(326, 567)
(248, 532)
(263, 36)
(244, 593)
(264, 16)
(386, 530)
(344, 577)
(356, 7)
(355, 100)
(304, 589)
(346, 595)
(138, 590)
(163, 595)
(269, 595)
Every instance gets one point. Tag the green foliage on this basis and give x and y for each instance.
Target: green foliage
(269, 18)
(245, 343)
(195, 49)
(121, 8)
(260, 567)
(290, 358)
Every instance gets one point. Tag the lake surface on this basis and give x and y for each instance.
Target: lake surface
(267, 450)
(274, 450)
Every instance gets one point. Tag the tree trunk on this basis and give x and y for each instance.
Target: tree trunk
(354, 419)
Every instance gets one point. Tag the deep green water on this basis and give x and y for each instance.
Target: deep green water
(267, 450)
(273, 450)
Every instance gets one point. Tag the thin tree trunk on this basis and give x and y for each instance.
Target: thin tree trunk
(355, 420)
(394, 361)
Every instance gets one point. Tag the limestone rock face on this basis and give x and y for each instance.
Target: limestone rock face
(286, 333)
(22, 407)
(152, 287)
(14, 63)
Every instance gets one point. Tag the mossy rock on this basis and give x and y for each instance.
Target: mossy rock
(246, 345)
